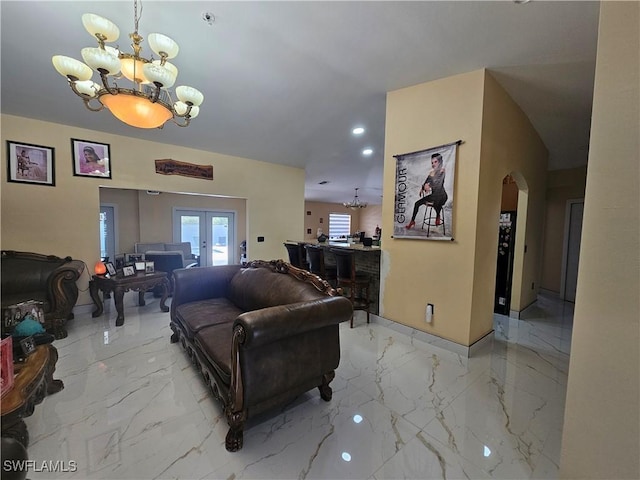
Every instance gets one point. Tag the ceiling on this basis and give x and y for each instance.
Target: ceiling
(285, 82)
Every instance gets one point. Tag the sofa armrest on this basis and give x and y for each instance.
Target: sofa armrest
(273, 323)
(61, 285)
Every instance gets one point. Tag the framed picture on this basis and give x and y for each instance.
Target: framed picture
(120, 260)
(28, 346)
(30, 163)
(111, 270)
(424, 193)
(131, 258)
(149, 267)
(90, 159)
(140, 266)
(128, 271)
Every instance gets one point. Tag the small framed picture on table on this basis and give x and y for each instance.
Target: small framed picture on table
(149, 267)
(128, 271)
(111, 270)
(28, 346)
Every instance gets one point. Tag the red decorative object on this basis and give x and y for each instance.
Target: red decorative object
(100, 268)
(6, 365)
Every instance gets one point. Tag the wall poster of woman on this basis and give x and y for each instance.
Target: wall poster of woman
(424, 193)
(30, 163)
(90, 159)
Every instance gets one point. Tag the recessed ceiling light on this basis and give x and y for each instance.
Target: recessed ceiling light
(367, 151)
(358, 131)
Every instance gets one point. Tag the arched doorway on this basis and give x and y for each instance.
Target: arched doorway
(506, 245)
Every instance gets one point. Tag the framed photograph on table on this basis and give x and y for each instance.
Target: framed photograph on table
(111, 270)
(27, 346)
(28, 163)
(90, 159)
(128, 271)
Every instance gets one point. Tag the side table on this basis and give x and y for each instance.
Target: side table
(141, 282)
(34, 380)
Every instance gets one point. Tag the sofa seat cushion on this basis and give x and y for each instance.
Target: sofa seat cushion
(215, 344)
(194, 316)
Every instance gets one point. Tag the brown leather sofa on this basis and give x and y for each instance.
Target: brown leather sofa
(45, 278)
(260, 334)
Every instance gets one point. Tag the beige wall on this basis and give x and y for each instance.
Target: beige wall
(319, 212)
(370, 218)
(601, 429)
(417, 272)
(459, 277)
(151, 215)
(67, 213)
(562, 185)
(510, 145)
(128, 216)
(509, 196)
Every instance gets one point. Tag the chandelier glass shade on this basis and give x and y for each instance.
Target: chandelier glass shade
(148, 102)
(355, 204)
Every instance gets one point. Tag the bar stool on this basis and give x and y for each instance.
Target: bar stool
(297, 257)
(316, 264)
(430, 217)
(353, 280)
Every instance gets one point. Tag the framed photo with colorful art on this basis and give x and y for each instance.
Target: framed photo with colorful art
(29, 163)
(90, 159)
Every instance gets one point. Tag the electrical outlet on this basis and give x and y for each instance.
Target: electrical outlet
(429, 313)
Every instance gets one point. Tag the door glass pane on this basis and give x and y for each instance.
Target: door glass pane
(190, 232)
(220, 240)
(107, 233)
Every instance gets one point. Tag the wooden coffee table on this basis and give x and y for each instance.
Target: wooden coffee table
(141, 282)
(33, 381)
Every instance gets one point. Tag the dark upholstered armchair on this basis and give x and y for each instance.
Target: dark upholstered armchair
(45, 278)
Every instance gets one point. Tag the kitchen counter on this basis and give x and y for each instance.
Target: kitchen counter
(367, 260)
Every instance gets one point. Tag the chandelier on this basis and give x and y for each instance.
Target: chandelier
(355, 203)
(148, 104)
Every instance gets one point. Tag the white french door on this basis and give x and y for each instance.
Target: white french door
(211, 234)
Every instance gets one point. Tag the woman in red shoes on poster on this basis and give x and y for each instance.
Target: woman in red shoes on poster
(432, 191)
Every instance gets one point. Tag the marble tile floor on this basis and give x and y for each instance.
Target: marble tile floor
(134, 408)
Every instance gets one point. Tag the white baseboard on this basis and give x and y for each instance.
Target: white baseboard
(461, 350)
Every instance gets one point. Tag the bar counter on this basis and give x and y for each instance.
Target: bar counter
(367, 261)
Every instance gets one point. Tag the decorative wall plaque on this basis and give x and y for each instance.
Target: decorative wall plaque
(174, 167)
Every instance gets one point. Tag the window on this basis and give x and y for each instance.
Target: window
(339, 225)
(108, 233)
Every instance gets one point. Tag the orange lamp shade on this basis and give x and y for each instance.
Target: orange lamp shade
(100, 268)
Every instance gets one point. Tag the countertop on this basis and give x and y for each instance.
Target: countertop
(349, 246)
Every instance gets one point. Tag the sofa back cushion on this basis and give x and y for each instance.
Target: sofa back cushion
(26, 275)
(256, 288)
(145, 247)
